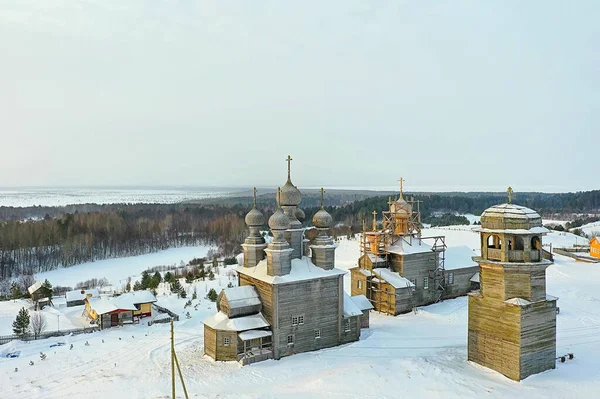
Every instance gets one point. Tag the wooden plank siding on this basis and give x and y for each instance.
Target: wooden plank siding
(210, 342)
(265, 292)
(354, 333)
(461, 284)
(320, 303)
(355, 276)
(226, 352)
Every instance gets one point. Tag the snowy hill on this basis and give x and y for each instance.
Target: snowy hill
(420, 355)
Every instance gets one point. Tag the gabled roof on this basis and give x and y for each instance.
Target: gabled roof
(79, 295)
(596, 239)
(415, 247)
(393, 278)
(350, 308)
(374, 258)
(243, 296)
(459, 257)
(36, 286)
(220, 321)
(137, 297)
(103, 306)
(475, 278)
(362, 302)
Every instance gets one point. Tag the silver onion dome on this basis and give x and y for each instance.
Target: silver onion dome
(255, 218)
(278, 221)
(290, 195)
(322, 219)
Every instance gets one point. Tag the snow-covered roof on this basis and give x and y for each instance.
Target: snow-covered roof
(242, 296)
(475, 278)
(254, 334)
(350, 308)
(533, 230)
(404, 248)
(518, 301)
(393, 278)
(302, 269)
(375, 259)
(511, 211)
(137, 297)
(551, 298)
(102, 306)
(459, 257)
(220, 321)
(362, 302)
(36, 286)
(79, 295)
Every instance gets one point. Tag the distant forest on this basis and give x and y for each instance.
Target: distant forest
(37, 239)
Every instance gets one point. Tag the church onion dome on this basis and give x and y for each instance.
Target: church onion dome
(300, 215)
(401, 206)
(510, 217)
(278, 221)
(290, 195)
(322, 219)
(255, 218)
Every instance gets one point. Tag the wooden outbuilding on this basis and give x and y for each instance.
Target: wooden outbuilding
(595, 247)
(365, 306)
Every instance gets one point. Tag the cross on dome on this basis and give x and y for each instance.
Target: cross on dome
(510, 194)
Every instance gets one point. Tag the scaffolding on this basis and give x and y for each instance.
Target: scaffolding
(402, 221)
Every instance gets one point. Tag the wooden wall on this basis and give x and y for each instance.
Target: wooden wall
(320, 302)
(355, 276)
(354, 333)
(462, 282)
(538, 338)
(210, 342)
(265, 292)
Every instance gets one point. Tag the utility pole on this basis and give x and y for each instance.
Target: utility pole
(174, 362)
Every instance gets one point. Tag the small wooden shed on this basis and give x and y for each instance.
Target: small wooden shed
(365, 307)
(595, 247)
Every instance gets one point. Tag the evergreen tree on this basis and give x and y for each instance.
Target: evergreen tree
(47, 289)
(137, 286)
(168, 277)
(15, 291)
(212, 295)
(153, 284)
(176, 287)
(211, 276)
(158, 277)
(21, 323)
(183, 294)
(202, 274)
(215, 264)
(128, 287)
(189, 278)
(194, 294)
(145, 279)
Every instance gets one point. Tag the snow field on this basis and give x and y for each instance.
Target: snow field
(412, 355)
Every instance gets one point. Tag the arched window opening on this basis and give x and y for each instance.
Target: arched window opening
(519, 244)
(536, 243)
(494, 242)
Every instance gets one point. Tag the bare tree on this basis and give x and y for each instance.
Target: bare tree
(38, 323)
(26, 281)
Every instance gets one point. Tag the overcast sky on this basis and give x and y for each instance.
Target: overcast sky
(451, 95)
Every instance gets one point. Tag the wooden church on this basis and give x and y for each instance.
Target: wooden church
(399, 269)
(286, 302)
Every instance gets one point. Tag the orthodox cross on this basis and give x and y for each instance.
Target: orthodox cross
(289, 162)
(510, 194)
(255, 197)
(322, 190)
(374, 220)
(401, 180)
(278, 196)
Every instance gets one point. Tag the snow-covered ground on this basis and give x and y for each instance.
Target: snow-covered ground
(591, 229)
(413, 355)
(21, 197)
(117, 270)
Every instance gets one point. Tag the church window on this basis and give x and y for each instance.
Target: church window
(294, 320)
(414, 281)
(300, 320)
(290, 339)
(450, 278)
(347, 325)
(226, 341)
(426, 283)
(359, 284)
(317, 334)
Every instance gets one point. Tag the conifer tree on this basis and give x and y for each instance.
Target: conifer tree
(15, 291)
(212, 295)
(158, 277)
(211, 276)
(47, 289)
(21, 323)
(137, 286)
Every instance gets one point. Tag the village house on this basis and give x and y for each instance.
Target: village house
(127, 308)
(399, 269)
(38, 296)
(286, 302)
(77, 297)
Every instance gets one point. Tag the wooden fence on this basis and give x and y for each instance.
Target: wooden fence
(30, 337)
